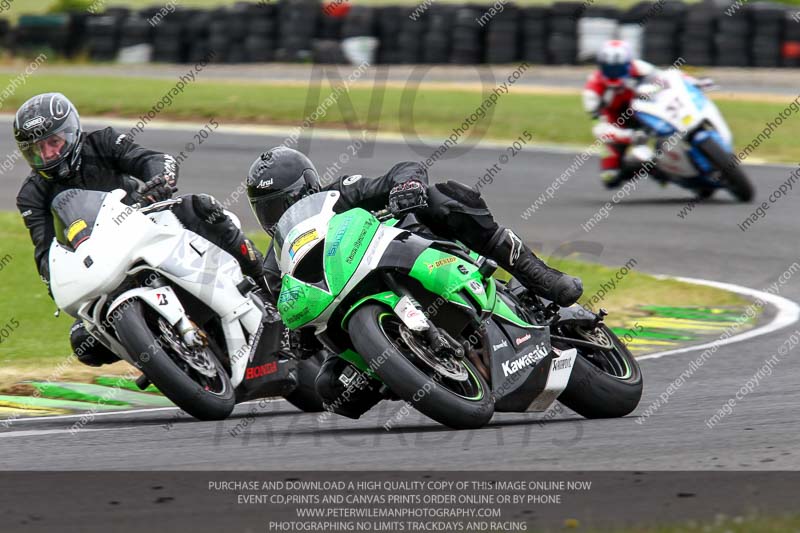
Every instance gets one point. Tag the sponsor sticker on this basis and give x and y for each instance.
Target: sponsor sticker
(522, 339)
(476, 287)
(503, 344)
(304, 238)
(440, 263)
(349, 180)
(75, 228)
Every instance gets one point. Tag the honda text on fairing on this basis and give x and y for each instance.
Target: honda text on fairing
(424, 320)
(170, 303)
(693, 142)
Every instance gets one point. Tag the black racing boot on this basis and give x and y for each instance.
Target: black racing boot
(513, 255)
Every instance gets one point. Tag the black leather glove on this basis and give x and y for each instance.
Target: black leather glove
(157, 190)
(408, 196)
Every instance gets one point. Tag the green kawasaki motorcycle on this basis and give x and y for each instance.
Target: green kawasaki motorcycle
(423, 319)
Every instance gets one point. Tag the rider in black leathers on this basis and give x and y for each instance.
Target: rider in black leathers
(62, 156)
(281, 176)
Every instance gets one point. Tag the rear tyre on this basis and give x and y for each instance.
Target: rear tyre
(733, 176)
(602, 384)
(459, 404)
(305, 396)
(204, 397)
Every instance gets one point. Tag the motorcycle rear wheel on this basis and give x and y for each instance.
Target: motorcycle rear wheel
(603, 384)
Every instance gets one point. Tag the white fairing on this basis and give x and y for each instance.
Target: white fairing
(670, 97)
(122, 239)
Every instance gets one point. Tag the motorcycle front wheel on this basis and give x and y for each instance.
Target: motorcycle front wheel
(193, 379)
(451, 391)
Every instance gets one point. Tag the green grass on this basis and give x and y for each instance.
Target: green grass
(550, 118)
(40, 342)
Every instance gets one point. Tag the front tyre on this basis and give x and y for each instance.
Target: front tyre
(206, 394)
(400, 359)
(733, 176)
(603, 384)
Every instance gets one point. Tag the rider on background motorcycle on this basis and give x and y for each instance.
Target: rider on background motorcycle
(62, 156)
(281, 176)
(607, 97)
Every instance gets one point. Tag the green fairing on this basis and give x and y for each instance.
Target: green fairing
(348, 238)
(388, 298)
(439, 273)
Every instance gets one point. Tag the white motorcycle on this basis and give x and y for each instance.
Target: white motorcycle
(172, 304)
(693, 144)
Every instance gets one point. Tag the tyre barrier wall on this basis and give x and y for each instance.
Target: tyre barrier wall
(756, 34)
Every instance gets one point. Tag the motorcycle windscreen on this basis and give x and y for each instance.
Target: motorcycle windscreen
(299, 212)
(74, 215)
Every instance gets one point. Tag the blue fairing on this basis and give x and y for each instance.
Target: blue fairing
(660, 127)
(698, 98)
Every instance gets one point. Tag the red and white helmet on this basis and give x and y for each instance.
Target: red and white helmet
(615, 59)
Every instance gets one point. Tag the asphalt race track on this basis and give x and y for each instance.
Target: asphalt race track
(763, 432)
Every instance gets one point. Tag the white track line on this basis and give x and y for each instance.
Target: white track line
(788, 314)
(109, 413)
(37, 432)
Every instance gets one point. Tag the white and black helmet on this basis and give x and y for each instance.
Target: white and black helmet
(276, 180)
(48, 132)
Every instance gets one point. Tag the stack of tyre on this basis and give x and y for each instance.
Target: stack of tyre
(631, 26)
(503, 36)
(438, 31)
(768, 26)
(466, 44)
(534, 28)
(135, 39)
(359, 30)
(326, 47)
(390, 22)
(732, 39)
(662, 28)
(595, 27)
(102, 37)
(790, 52)
(36, 32)
(297, 23)
(698, 37)
(259, 42)
(562, 41)
(168, 38)
(196, 35)
(410, 40)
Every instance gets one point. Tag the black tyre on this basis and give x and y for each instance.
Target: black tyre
(733, 176)
(603, 384)
(305, 396)
(384, 344)
(202, 396)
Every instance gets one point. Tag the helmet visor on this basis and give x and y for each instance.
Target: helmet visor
(269, 208)
(49, 151)
(615, 71)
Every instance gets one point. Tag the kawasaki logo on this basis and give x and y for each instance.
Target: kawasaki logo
(529, 359)
(501, 345)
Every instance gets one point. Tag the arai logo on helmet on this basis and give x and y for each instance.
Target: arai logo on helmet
(265, 183)
(32, 123)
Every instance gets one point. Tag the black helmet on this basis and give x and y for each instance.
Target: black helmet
(48, 132)
(277, 179)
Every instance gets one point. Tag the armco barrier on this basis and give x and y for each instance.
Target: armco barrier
(752, 34)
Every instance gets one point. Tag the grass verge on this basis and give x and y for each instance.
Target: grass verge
(549, 118)
(38, 347)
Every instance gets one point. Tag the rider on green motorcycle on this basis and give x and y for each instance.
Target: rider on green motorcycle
(281, 176)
